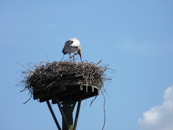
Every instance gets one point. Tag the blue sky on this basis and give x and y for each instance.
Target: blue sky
(134, 37)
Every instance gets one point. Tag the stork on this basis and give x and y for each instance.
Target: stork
(71, 46)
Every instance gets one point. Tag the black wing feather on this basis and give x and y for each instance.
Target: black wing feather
(68, 48)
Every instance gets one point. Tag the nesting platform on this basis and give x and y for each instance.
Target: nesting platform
(66, 97)
(66, 92)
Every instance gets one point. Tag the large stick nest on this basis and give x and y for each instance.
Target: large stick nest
(56, 73)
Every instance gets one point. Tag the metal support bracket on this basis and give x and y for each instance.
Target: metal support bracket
(53, 115)
(77, 113)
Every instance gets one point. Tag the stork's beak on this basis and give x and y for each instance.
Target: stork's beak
(80, 57)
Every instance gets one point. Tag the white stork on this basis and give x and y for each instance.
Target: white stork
(71, 46)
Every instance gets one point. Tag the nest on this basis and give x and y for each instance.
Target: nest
(55, 74)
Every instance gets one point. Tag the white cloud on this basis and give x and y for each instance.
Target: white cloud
(159, 117)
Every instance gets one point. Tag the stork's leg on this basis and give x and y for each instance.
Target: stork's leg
(73, 55)
(70, 56)
(73, 58)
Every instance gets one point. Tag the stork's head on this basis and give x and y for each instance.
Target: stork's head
(75, 42)
(79, 51)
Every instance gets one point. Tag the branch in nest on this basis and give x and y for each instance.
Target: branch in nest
(104, 110)
(93, 100)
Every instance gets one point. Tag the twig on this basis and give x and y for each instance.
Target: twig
(104, 110)
(23, 67)
(62, 58)
(23, 89)
(28, 99)
(93, 100)
(47, 57)
(99, 62)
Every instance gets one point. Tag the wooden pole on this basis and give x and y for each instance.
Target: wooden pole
(68, 111)
(53, 115)
(77, 113)
(65, 122)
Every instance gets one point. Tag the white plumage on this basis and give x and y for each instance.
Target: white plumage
(71, 46)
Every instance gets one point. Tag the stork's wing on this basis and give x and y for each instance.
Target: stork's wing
(68, 48)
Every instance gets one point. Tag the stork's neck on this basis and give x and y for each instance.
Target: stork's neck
(79, 51)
